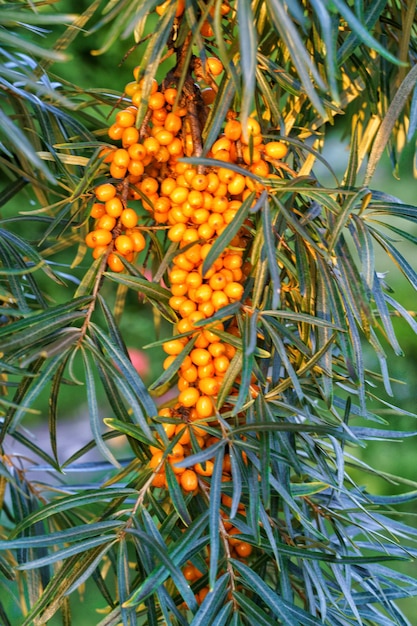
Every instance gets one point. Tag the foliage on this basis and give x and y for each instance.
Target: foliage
(322, 546)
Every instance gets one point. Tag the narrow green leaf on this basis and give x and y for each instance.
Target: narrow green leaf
(70, 502)
(93, 410)
(60, 555)
(214, 516)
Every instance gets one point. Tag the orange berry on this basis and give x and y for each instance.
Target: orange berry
(214, 66)
(135, 168)
(174, 346)
(189, 573)
(171, 95)
(204, 406)
(139, 242)
(137, 152)
(125, 119)
(123, 244)
(190, 374)
(151, 145)
(221, 364)
(179, 195)
(234, 291)
(219, 300)
(105, 192)
(233, 130)
(209, 386)
(204, 469)
(114, 207)
(117, 171)
(149, 186)
(98, 237)
(189, 480)
(129, 218)
(276, 149)
(217, 281)
(114, 262)
(188, 397)
(97, 210)
(156, 101)
(107, 222)
(115, 132)
(243, 549)
(98, 251)
(200, 356)
(159, 480)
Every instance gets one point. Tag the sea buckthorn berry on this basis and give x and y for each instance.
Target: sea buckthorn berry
(201, 341)
(189, 573)
(123, 244)
(137, 152)
(276, 150)
(138, 240)
(168, 361)
(114, 207)
(169, 428)
(179, 290)
(214, 66)
(233, 130)
(237, 185)
(135, 168)
(175, 148)
(200, 357)
(190, 236)
(164, 137)
(206, 29)
(174, 346)
(243, 549)
(194, 280)
(151, 145)
(221, 364)
(105, 192)
(121, 158)
(183, 263)
(234, 291)
(178, 276)
(205, 231)
(217, 281)
(203, 293)
(204, 469)
(171, 94)
(106, 154)
(190, 374)
(97, 210)
(176, 452)
(187, 307)
(125, 119)
(161, 8)
(260, 169)
(156, 101)
(107, 222)
(149, 186)
(117, 171)
(173, 123)
(221, 144)
(98, 251)
(98, 237)
(179, 195)
(159, 480)
(176, 301)
(219, 300)
(131, 88)
(209, 386)
(115, 132)
(114, 262)
(188, 397)
(129, 218)
(156, 460)
(189, 480)
(217, 348)
(204, 406)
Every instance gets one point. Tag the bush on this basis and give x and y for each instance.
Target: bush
(229, 489)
